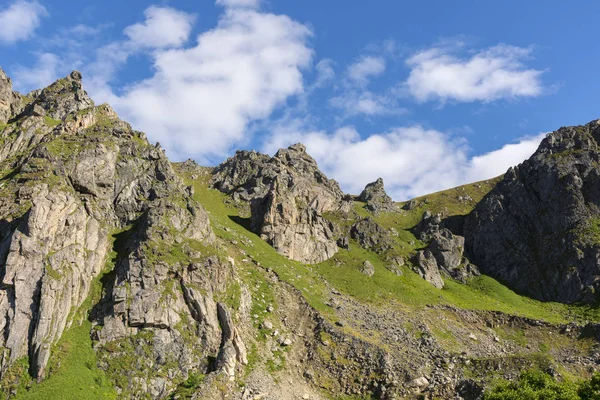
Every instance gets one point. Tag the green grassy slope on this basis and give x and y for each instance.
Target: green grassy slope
(407, 291)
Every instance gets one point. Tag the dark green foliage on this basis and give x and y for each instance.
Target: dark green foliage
(536, 385)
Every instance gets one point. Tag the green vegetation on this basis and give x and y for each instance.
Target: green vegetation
(408, 291)
(73, 372)
(589, 233)
(51, 121)
(187, 388)
(535, 385)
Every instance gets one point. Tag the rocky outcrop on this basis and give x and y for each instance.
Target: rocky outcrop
(376, 198)
(10, 101)
(367, 268)
(426, 266)
(63, 97)
(89, 187)
(537, 230)
(371, 236)
(288, 196)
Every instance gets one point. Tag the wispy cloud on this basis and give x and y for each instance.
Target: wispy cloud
(366, 68)
(19, 21)
(443, 73)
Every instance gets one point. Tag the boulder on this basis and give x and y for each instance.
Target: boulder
(367, 268)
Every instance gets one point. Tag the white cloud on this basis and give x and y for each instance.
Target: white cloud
(164, 27)
(366, 68)
(201, 99)
(47, 68)
(412, 161)
(496, 73)
(353, 103)
(325, 72)
(239, 3)
(497, 162)
(19, 21)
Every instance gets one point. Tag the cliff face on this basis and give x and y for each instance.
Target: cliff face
(84, 195)
(538, 229)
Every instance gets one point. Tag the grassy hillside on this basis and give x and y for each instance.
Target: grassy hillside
(407, 291)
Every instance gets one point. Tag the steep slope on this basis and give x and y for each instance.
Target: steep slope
(538, 229)
(74, 178)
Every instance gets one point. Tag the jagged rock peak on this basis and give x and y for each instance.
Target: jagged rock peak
(376, 198)
(298, 147)
(536, 229)
(288, 195)
(61, 98)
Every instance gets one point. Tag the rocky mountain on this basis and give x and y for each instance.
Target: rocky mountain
(123, 275)
(538, 229)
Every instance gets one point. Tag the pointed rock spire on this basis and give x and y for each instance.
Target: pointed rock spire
(376, 198)
(64, 96)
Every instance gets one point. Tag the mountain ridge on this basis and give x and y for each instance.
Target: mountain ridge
(255, 278)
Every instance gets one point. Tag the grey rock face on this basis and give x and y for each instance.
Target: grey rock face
(536, 230)
(447, 249)
(85, 176)
(368, 269)
(10, 101)
(370, 235)
(427, 268)
(288, 196)
(376, 198)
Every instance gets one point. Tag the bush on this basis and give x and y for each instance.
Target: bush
(535, 385)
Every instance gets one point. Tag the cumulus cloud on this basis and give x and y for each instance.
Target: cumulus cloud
(412, 161)
(366, 68)
(440, 73)
(164, 27)
(325, 72)
(19, 21)
(201, 98)
(497, 162)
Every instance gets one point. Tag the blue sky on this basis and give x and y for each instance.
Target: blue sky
(427, 95)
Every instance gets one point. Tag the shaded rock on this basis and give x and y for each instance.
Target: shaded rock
(370, 235)
(376, 198)
(410, 205)
(343, 242)
(428, 226)
(535, 229)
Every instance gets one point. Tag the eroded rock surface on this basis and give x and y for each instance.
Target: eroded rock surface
(288, 196)
(537, 229)
(93, 193)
